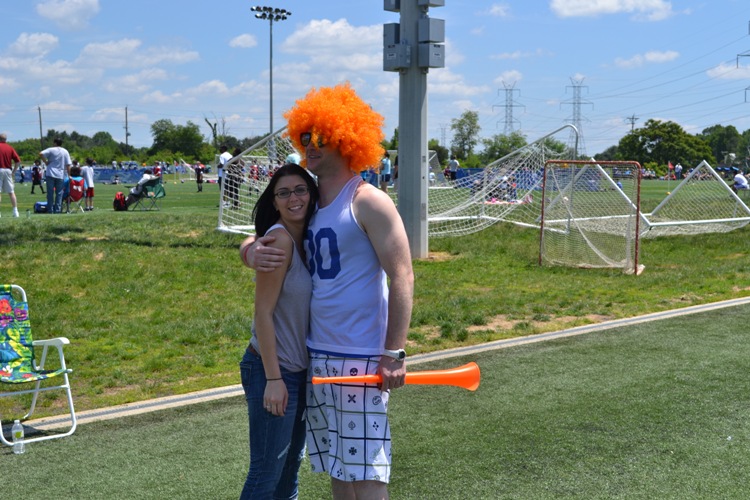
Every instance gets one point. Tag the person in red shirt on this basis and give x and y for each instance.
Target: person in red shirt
(9, 162)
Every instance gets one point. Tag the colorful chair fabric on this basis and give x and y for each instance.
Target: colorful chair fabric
(76, 190)
(17, 362)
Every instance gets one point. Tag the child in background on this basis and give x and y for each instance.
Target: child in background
(87, 172)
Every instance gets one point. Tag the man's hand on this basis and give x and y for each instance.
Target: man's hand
(256, 255)
(393, 373)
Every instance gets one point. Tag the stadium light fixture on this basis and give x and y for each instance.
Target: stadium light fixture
(272, 15)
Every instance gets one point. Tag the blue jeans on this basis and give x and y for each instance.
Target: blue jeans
(54, 201)
(277, 444)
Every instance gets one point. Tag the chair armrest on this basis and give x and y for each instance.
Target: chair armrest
(56, 342)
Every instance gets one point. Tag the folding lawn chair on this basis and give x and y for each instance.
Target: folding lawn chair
(17, 363)
(76, 190)
(151, 195)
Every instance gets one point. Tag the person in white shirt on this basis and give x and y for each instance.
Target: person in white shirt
(87, 172)
(58, 166)
(740, 182)
(224, 157)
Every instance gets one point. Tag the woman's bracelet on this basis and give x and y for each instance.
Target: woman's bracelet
(272, 379)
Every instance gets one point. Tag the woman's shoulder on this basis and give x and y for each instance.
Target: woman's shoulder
(283, 238)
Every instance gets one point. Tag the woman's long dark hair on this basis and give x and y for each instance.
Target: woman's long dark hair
(264, 213)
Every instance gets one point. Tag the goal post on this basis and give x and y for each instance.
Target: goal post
(590, 214)
(245, 177)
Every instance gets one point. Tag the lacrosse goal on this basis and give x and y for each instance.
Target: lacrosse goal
(590, 214)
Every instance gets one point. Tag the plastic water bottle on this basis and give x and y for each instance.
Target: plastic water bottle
(18, 444)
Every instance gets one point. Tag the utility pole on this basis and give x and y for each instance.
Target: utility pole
(576, 102)
(41, 137)
(411, 47)
(632, 119)
(127, 133)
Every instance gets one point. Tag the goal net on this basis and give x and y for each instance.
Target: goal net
(700, 203)
(590, 214)
(508, 189)
(245, 177)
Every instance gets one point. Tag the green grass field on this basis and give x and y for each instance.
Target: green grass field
(157, 303)
(655, 410)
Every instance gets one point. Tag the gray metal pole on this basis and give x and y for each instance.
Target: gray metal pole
(270, 88)
(412, 146)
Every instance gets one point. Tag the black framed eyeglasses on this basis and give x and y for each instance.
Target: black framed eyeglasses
(298, 191)
(306, 137)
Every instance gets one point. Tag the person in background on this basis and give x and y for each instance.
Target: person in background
(274, 367)
(137, 190)
(740, 182)
(58, 165)
(224, 157)
(36, 176)
(233, 173)
(453, 166)
(87, 172)
(356, 244)
(9, 162)
(199, 176)
(385, 172)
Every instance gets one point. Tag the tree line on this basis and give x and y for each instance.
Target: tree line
(654, 145)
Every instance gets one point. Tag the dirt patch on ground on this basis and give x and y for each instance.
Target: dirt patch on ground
(439, 257)
(502, 322)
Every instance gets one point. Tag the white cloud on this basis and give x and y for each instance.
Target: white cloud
(444, 82)
(8, 84)
(212, 87)
(499, 10)
(338, 45)
(127, 53)
(68, 14)
(137, 82)
(726, 71)
(520, 54)
(244, 41)
(653, 57)
(34, 44)
(648, 10)
(508, 77)
(158, 97)
(59, 106)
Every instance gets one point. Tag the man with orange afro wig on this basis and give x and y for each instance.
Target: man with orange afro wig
(338, 117)
(356, 243)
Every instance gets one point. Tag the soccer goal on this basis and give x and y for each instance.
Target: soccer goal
(245, 177)
(590, 214)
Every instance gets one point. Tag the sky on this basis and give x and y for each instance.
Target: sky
(82, 63)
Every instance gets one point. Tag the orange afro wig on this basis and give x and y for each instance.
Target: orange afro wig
(341, 119)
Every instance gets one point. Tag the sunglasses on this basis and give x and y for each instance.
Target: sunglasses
(298, 191)
(306, 137)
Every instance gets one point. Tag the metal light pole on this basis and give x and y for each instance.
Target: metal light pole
(271, 14)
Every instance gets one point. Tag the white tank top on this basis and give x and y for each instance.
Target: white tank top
(349, 307)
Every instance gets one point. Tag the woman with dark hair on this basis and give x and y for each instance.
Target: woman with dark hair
(274, 367)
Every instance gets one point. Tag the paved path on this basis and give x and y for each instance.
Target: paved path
(236, 390)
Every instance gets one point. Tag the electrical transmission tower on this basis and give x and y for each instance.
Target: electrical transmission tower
(509, 105)
(744, 54)
(577, 119)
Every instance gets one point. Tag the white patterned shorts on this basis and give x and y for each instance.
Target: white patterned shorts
(348, 435)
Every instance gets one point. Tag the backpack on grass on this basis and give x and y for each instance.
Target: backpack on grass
(119, 202)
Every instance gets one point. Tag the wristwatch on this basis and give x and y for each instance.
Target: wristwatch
(398, 354)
